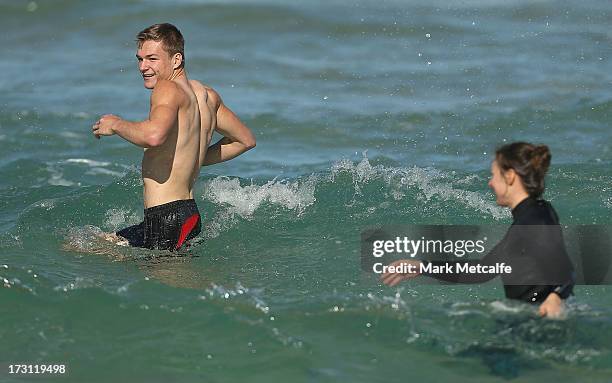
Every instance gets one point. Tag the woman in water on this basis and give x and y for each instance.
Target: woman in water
(542, 273)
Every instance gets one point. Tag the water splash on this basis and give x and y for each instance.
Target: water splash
(244, 200)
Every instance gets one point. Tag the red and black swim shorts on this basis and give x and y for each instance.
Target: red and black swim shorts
(165, 227)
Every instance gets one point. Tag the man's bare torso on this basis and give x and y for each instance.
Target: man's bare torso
(169, 171)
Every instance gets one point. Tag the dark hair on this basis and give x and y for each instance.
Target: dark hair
(529, 161)
(168, 34)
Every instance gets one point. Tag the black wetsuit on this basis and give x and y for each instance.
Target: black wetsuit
(534, 248)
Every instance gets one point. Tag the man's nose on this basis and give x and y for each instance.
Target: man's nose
(142, 66)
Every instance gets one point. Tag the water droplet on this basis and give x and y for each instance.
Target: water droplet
(32, 6)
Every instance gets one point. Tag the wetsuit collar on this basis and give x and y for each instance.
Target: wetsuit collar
(521, 207)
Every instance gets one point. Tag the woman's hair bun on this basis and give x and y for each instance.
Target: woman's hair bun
(540, 159)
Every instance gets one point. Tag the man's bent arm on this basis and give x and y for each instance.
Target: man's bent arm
(237, 139)
(162, 118)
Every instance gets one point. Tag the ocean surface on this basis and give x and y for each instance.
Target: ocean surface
(366, 113)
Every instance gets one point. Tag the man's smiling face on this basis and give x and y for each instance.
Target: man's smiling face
(154, 63)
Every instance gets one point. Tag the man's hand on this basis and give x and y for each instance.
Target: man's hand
(105, 126)
(552, 307)
(393, 279)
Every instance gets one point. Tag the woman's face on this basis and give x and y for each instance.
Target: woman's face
(498, 184)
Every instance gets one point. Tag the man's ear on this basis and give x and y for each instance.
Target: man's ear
(177, 60)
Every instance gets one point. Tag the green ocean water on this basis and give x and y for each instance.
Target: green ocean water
(366, 113)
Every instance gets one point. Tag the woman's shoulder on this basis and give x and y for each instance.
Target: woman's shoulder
(537, 212)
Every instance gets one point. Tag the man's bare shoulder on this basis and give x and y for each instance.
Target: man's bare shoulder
(167, 91)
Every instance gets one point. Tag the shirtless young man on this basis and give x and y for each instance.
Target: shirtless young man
(176, 138)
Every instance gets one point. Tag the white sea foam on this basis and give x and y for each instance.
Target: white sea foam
(92, 163)
(431, 182)
(118, 218)
(92, 240)
(93, 168)
(96, 171)
(244, 200)
(221, 292)
(221, 222)
(46, 204)
(499, 306)
(57, 177)
(79, 283)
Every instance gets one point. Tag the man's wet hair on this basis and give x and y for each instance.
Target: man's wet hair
(171, 38)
